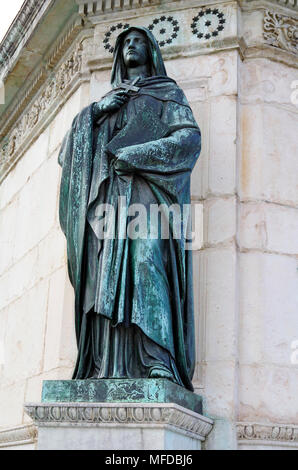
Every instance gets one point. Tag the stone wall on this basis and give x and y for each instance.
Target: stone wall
(238, 83)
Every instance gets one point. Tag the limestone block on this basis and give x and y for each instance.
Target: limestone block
(268, 309)
(220, 69)
(111, 438)
(24, 336)
(252, 27)
(221, 305)
(100, 84)
(36, 265)
(220, 389)
(21, 173)
(12, 404)
(214, 277)
(3, 322)
(215, 171)
(263, 80)
(219, 220)
(200, 173)
(269, 142)
(223, 132)
(251, 323)
(60, 343)
(68, 346)
(19, 278)
(252, 230)
(7, 234)
(268, 393)
(268, 226)
(282, 229)
(37, 207)
(222, 437)
(51, 253)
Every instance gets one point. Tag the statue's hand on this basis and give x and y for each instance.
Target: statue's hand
(113, 102)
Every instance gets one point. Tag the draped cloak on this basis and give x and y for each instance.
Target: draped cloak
(146, 283)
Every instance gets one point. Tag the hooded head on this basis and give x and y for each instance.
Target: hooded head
(155, 64)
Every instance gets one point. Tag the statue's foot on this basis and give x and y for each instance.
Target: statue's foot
(158, 373)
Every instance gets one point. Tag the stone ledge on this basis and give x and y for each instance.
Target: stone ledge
(267, 434)
(18, 435)
(141, 415)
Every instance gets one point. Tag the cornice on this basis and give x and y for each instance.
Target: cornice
(281, 5)
(18, 435)
(24, 96)
(129, 414)
(20, 26)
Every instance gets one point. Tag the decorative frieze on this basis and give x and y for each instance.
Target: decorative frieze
(281, 31)
(267, 432)
(52, 91)
(97, 414)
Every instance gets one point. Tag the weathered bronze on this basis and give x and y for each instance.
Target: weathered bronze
(133, 297)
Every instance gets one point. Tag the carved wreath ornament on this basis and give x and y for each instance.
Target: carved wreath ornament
(208, 23)
(110, 36)
(165, 28)
(281, 31)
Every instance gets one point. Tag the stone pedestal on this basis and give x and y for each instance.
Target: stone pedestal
(131, 415)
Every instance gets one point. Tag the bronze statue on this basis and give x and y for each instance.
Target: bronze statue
(133, 296)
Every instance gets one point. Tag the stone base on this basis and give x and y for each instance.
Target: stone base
(107, 426)
(120, 391)
(118, 414)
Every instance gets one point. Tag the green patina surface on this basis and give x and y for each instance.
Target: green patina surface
(133, 294)
(120, 391)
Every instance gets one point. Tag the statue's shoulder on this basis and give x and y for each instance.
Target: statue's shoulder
(165, 89)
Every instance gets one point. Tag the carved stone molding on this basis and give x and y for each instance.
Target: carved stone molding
(18, 435)
(53, 90)
(88, 8)
(281, 31)
(270, 433)
(99, 414)
(20, 26)
(100, 7)
(289, 4)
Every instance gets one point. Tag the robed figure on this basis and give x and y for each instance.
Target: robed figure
(133, 295)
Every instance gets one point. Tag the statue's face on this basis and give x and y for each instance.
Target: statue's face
(135, 49)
